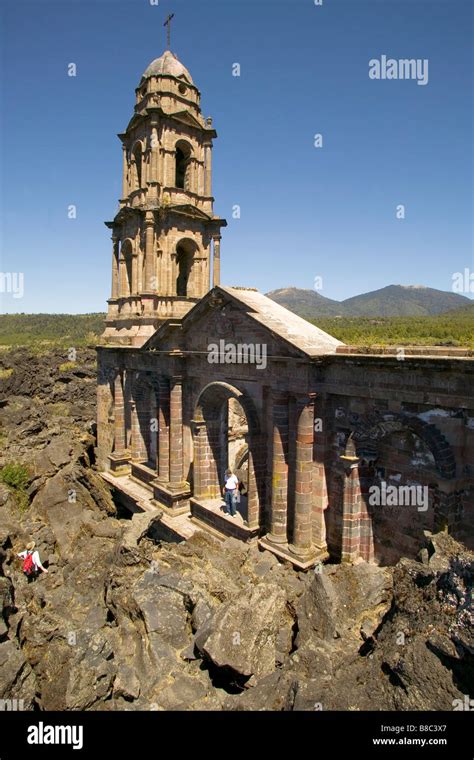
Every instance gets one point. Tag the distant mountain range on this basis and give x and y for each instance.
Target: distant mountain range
(391, 301)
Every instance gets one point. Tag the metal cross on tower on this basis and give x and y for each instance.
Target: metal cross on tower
(168, 24)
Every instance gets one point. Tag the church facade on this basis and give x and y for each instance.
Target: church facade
(340, 453)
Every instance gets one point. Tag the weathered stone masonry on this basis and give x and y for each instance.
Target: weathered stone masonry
(311, 433)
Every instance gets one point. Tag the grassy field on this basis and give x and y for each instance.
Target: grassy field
(50, 330)
(451, 329)
(456, 328)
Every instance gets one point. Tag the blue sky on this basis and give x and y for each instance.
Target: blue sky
(306, 212)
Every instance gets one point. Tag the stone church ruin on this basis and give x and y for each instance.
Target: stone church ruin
(310, 433)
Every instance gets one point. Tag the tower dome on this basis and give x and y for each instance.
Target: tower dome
(167, 65)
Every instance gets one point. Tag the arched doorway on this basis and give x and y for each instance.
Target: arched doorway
(226, 434)
(234, 433)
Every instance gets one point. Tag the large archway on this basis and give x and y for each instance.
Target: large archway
(226, 434)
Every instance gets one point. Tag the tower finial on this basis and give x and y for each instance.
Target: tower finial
(168, 35)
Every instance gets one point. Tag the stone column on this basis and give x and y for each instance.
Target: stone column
(253, 504)
(278, 521)
(119, 416)
(357, 528)
(207, 269)
(216, 273)
(266, 457)
(302, 544)
(201, 463)
(135, 445)
(164, 430)
(176, 431)
(115, 267)
(366, 528)
(208, 170)
(150, 272)
(201, 178)
(350, 518)
(320, 488)
(197, 280)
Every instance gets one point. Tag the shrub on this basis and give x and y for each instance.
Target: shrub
(17, 477)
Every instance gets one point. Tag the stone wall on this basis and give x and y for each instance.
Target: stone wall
(378, 423)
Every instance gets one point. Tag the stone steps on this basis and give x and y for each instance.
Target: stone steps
(178, 527)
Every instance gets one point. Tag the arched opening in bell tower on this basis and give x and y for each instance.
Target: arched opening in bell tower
(137, 162)
(183, 156)
(184, 261)
(126, 269)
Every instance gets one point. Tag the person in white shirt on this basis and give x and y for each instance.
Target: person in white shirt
(230, 493)
(36, 564)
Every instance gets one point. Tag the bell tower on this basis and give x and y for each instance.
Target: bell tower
(166, 239)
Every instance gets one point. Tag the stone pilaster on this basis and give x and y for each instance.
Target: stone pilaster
(357, 535)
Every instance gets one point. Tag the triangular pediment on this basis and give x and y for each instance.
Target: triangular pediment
(243, 316)
(186, 118)
(187, 209)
